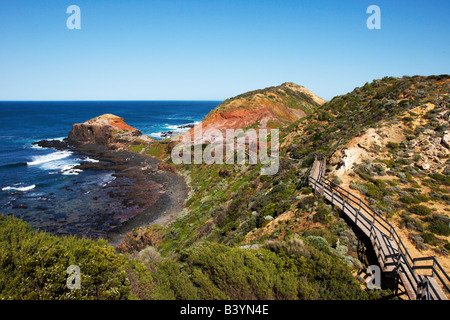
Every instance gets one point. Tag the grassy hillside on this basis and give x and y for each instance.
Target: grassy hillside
(236, 206)
(266, 108)
(287, 95)
(388, 141)
(246, 235)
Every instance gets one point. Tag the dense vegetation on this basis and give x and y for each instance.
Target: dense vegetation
(348, 116)
(408, 179)
(244, 235)
(33, 265)
(277, 270)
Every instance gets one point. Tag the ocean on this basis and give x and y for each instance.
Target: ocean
(41, 185)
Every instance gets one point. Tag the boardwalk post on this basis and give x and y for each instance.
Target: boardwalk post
(397, 283)
(386, 243)
(434, 266)
(398, 261)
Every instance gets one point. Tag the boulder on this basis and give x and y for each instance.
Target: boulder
(424, 165)
(103, 130)
(446, 140)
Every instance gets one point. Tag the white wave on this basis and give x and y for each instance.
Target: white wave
(58, 155)
(182, 127)
(107, 179)
(68, 170)
(58, 138)
(23, 189)
(172, 127)
(87, 160)
(90, 160)
(176, 129)
(156, 135)
(35, 146)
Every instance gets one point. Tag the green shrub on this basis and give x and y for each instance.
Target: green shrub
(360, 187)
(439, 227)
(420, 210)
(279, 270)
(33, 265)
(307, 203)
(323, 215)
(374, 192)
(380, 183)
(337, 180)
(422, 198)
(319, 243)
(441, 178)
(429, 238)
(409, 200)
(270, 209)
(136, 148)
(392, 145)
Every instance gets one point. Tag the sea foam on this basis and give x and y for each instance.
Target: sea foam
(58, 155)
(23, 189)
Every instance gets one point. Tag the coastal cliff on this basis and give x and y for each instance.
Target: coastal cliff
(103, 130)
(267, 108)
(386, 141)
(145, 189)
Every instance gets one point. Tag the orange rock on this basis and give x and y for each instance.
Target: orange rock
(111, 120)
(106, 129)
(261, 109)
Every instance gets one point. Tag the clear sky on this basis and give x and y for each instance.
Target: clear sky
(213, 49)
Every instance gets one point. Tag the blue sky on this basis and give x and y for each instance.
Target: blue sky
(212, 50)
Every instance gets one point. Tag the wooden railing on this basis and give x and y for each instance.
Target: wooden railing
(375, 226)
(435, 268)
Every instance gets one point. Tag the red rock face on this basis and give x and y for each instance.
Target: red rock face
(267, 108)
(104, 130)
(259, 113)
(120, 124)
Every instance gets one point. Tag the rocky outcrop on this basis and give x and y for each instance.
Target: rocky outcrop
(446, 140)
(266, 108)
(103, 130)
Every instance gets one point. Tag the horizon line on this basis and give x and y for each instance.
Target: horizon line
(113, 100)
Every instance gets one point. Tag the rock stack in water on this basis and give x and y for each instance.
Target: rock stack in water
(103, 130)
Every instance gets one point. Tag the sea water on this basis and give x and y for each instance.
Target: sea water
(42, 185)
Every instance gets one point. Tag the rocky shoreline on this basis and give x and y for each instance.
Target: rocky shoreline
(150, 193)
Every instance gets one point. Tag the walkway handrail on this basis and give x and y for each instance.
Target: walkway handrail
(436, 270)
(408, 265)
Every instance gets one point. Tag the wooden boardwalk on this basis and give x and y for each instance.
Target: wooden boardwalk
(391, 253)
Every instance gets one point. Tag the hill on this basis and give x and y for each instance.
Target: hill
(243, 235)
(386, 139)
(265, 108)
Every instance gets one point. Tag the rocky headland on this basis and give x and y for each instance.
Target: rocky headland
(150, 192)
(267, 108)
